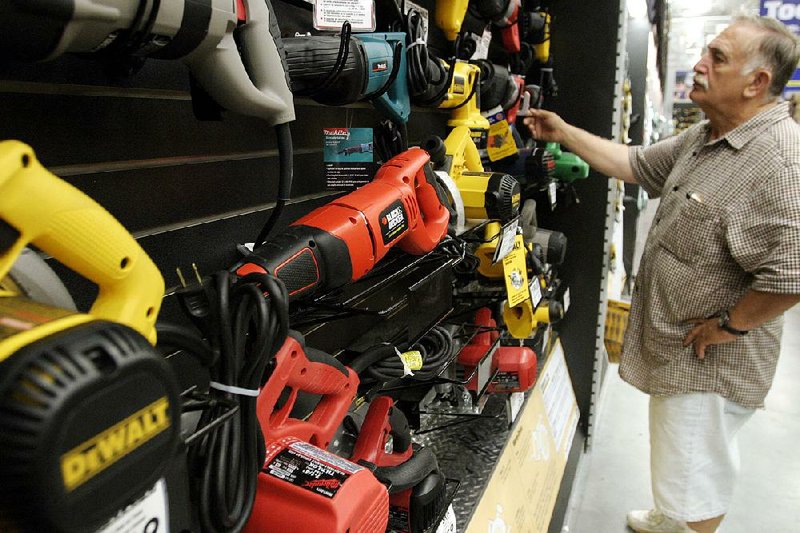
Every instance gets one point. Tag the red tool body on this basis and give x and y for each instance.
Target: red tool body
(417, 496)
(303, 488)
(476, 350)
(516, 369)
(513, 367)
(343, 240)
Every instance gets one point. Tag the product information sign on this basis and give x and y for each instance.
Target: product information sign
(348, 156)
(788, 12)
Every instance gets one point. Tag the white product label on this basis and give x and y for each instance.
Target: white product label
(515, 401)
(536, 291)
(551, 190)
(448, 523)
(506, 243)
(146, 515)
(566, 301)
(331, 14)
(483, 41)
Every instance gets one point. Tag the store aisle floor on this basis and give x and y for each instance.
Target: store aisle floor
(616, 474)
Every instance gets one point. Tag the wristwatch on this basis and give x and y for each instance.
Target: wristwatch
(724, 318)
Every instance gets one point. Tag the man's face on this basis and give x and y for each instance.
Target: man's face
(718, 79)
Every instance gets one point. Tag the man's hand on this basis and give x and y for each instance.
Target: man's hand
(545, 125)
(705, 333)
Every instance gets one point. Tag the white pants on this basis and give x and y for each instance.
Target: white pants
(694, 454)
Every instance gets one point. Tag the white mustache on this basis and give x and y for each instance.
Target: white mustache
(701, 80)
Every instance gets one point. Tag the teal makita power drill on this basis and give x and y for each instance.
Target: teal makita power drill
(345, 69)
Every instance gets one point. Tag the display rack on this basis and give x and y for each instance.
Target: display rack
(190, 191)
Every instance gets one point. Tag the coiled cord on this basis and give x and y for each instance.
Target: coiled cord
(246, 330)
(382, 364)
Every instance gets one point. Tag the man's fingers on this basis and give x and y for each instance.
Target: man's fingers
(700, 350)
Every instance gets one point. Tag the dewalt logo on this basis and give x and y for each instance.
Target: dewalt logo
(85, 461)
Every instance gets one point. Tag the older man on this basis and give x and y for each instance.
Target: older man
(720, 267)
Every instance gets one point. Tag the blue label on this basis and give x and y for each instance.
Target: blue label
(788, 12)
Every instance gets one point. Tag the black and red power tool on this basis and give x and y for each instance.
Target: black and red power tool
(510, 368)
(417, 492)
(302, 487)
(343, 240)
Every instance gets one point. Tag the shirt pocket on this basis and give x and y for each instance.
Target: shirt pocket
(694, 234)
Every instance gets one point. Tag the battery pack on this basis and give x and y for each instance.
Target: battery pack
(304, 489)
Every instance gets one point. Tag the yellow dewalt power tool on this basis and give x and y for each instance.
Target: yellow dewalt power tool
(522, 319)
(450, 16)
(484, 195)
(89, 411)
(463, 97)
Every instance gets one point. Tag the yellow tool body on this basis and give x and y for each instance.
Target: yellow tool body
(450, 15)
(486, 195)
(542, 49)
(463, 98)
(36, 207)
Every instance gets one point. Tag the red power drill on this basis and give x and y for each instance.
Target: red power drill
(302, 488)
(417, 492)
(343, 240)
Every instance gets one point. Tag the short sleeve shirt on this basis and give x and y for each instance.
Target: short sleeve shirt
(728, 221)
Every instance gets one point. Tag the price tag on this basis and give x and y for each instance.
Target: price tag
(148, 514)
(536, 291)
(448, 523)
(331, 14)
(483, 41)
(501, 141)
(516, 273)
(515, 401)
(566, 301)
(412, 359)
(506, 243)
(551, 191)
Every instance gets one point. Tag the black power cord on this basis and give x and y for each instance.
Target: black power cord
(245, 330)
(382, 364)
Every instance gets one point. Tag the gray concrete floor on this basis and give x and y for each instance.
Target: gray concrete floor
(614, 476)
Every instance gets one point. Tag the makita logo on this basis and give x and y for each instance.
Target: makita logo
(380, 66)
(331, 484)
(85, 461)
(393, 218)
(335, 131)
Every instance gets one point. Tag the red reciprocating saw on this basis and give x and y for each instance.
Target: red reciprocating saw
(303, 488)
(417, 492)
(343, 240)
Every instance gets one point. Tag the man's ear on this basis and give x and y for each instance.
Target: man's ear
(759, 84)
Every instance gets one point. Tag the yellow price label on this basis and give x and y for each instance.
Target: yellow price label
(516, 273)
(412, 359)
(501, 141)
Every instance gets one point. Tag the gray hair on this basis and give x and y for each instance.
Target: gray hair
(778, 51)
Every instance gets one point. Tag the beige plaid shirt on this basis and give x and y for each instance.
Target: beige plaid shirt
(728, 221)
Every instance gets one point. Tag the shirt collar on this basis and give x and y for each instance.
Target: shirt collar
(741, 135)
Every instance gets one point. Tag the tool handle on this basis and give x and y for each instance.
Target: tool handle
(411, 472)
(296, 372)
(65, 223)
(247, 83)
(383, 419)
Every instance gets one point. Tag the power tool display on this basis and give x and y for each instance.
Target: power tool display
(485, 195)
(85, 399)
(341, 241)
(342, 70)
(463, 97)
(231, 48)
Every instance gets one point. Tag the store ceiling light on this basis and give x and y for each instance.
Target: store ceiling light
(690, 8)
(637, 9)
